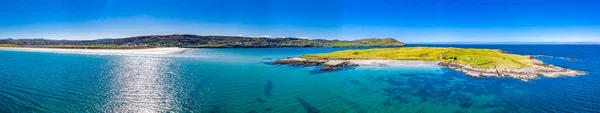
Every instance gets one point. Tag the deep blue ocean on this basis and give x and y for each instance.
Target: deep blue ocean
(244, 81)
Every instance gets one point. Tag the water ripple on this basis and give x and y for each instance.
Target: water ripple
(140, 85)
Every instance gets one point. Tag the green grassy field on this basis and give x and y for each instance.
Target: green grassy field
(8, 45)
(100, 45)
(480, 58)
(210, 45)
(367, 42)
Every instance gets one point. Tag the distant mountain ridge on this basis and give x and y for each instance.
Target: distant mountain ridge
(196, 41)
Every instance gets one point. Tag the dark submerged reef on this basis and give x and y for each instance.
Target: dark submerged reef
(351, 104)
(309, 108)
(268, 88)
(441, 90)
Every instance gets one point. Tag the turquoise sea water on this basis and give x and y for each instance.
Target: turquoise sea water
(242, 80)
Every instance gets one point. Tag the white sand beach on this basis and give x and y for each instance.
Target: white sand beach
(385, 63)
(148, 51)
(394, 63)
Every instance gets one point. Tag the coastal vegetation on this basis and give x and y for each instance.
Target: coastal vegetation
(366, 42)
(480, 58)
(195, 41)
(474, 62)
(8, 45)
(101, 45)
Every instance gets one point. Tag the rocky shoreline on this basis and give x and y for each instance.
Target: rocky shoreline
(536, 70)
(328, 64)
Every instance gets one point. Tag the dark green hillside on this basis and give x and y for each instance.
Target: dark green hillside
(195, 41)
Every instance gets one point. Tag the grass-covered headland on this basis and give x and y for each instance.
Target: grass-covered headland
(480, 58)
(472, 61)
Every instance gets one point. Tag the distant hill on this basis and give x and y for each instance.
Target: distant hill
(195, 41)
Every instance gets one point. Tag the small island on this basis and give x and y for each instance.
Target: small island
(474, 62)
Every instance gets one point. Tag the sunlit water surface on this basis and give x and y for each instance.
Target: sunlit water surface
(242, 80)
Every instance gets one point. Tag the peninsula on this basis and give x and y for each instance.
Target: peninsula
(195, 41)
(474, 62)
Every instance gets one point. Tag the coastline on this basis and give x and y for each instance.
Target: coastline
(524, 74)
(337, 64)
(144, 51)
(227, 47)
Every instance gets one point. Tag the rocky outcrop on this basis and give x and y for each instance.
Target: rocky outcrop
(334, 65)
(534, 71)
(328, 64)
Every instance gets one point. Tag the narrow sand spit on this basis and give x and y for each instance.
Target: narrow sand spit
(149, 51)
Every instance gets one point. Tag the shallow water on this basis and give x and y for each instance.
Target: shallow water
(242, 80)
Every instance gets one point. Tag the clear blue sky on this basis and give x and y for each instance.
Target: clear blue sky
(405, 20)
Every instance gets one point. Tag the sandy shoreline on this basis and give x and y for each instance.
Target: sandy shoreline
(536, 70)
(385, 63)
(148, 51)
(394, 63)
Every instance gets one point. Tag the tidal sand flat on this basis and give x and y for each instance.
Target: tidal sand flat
(147, 51)
(474, 62)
